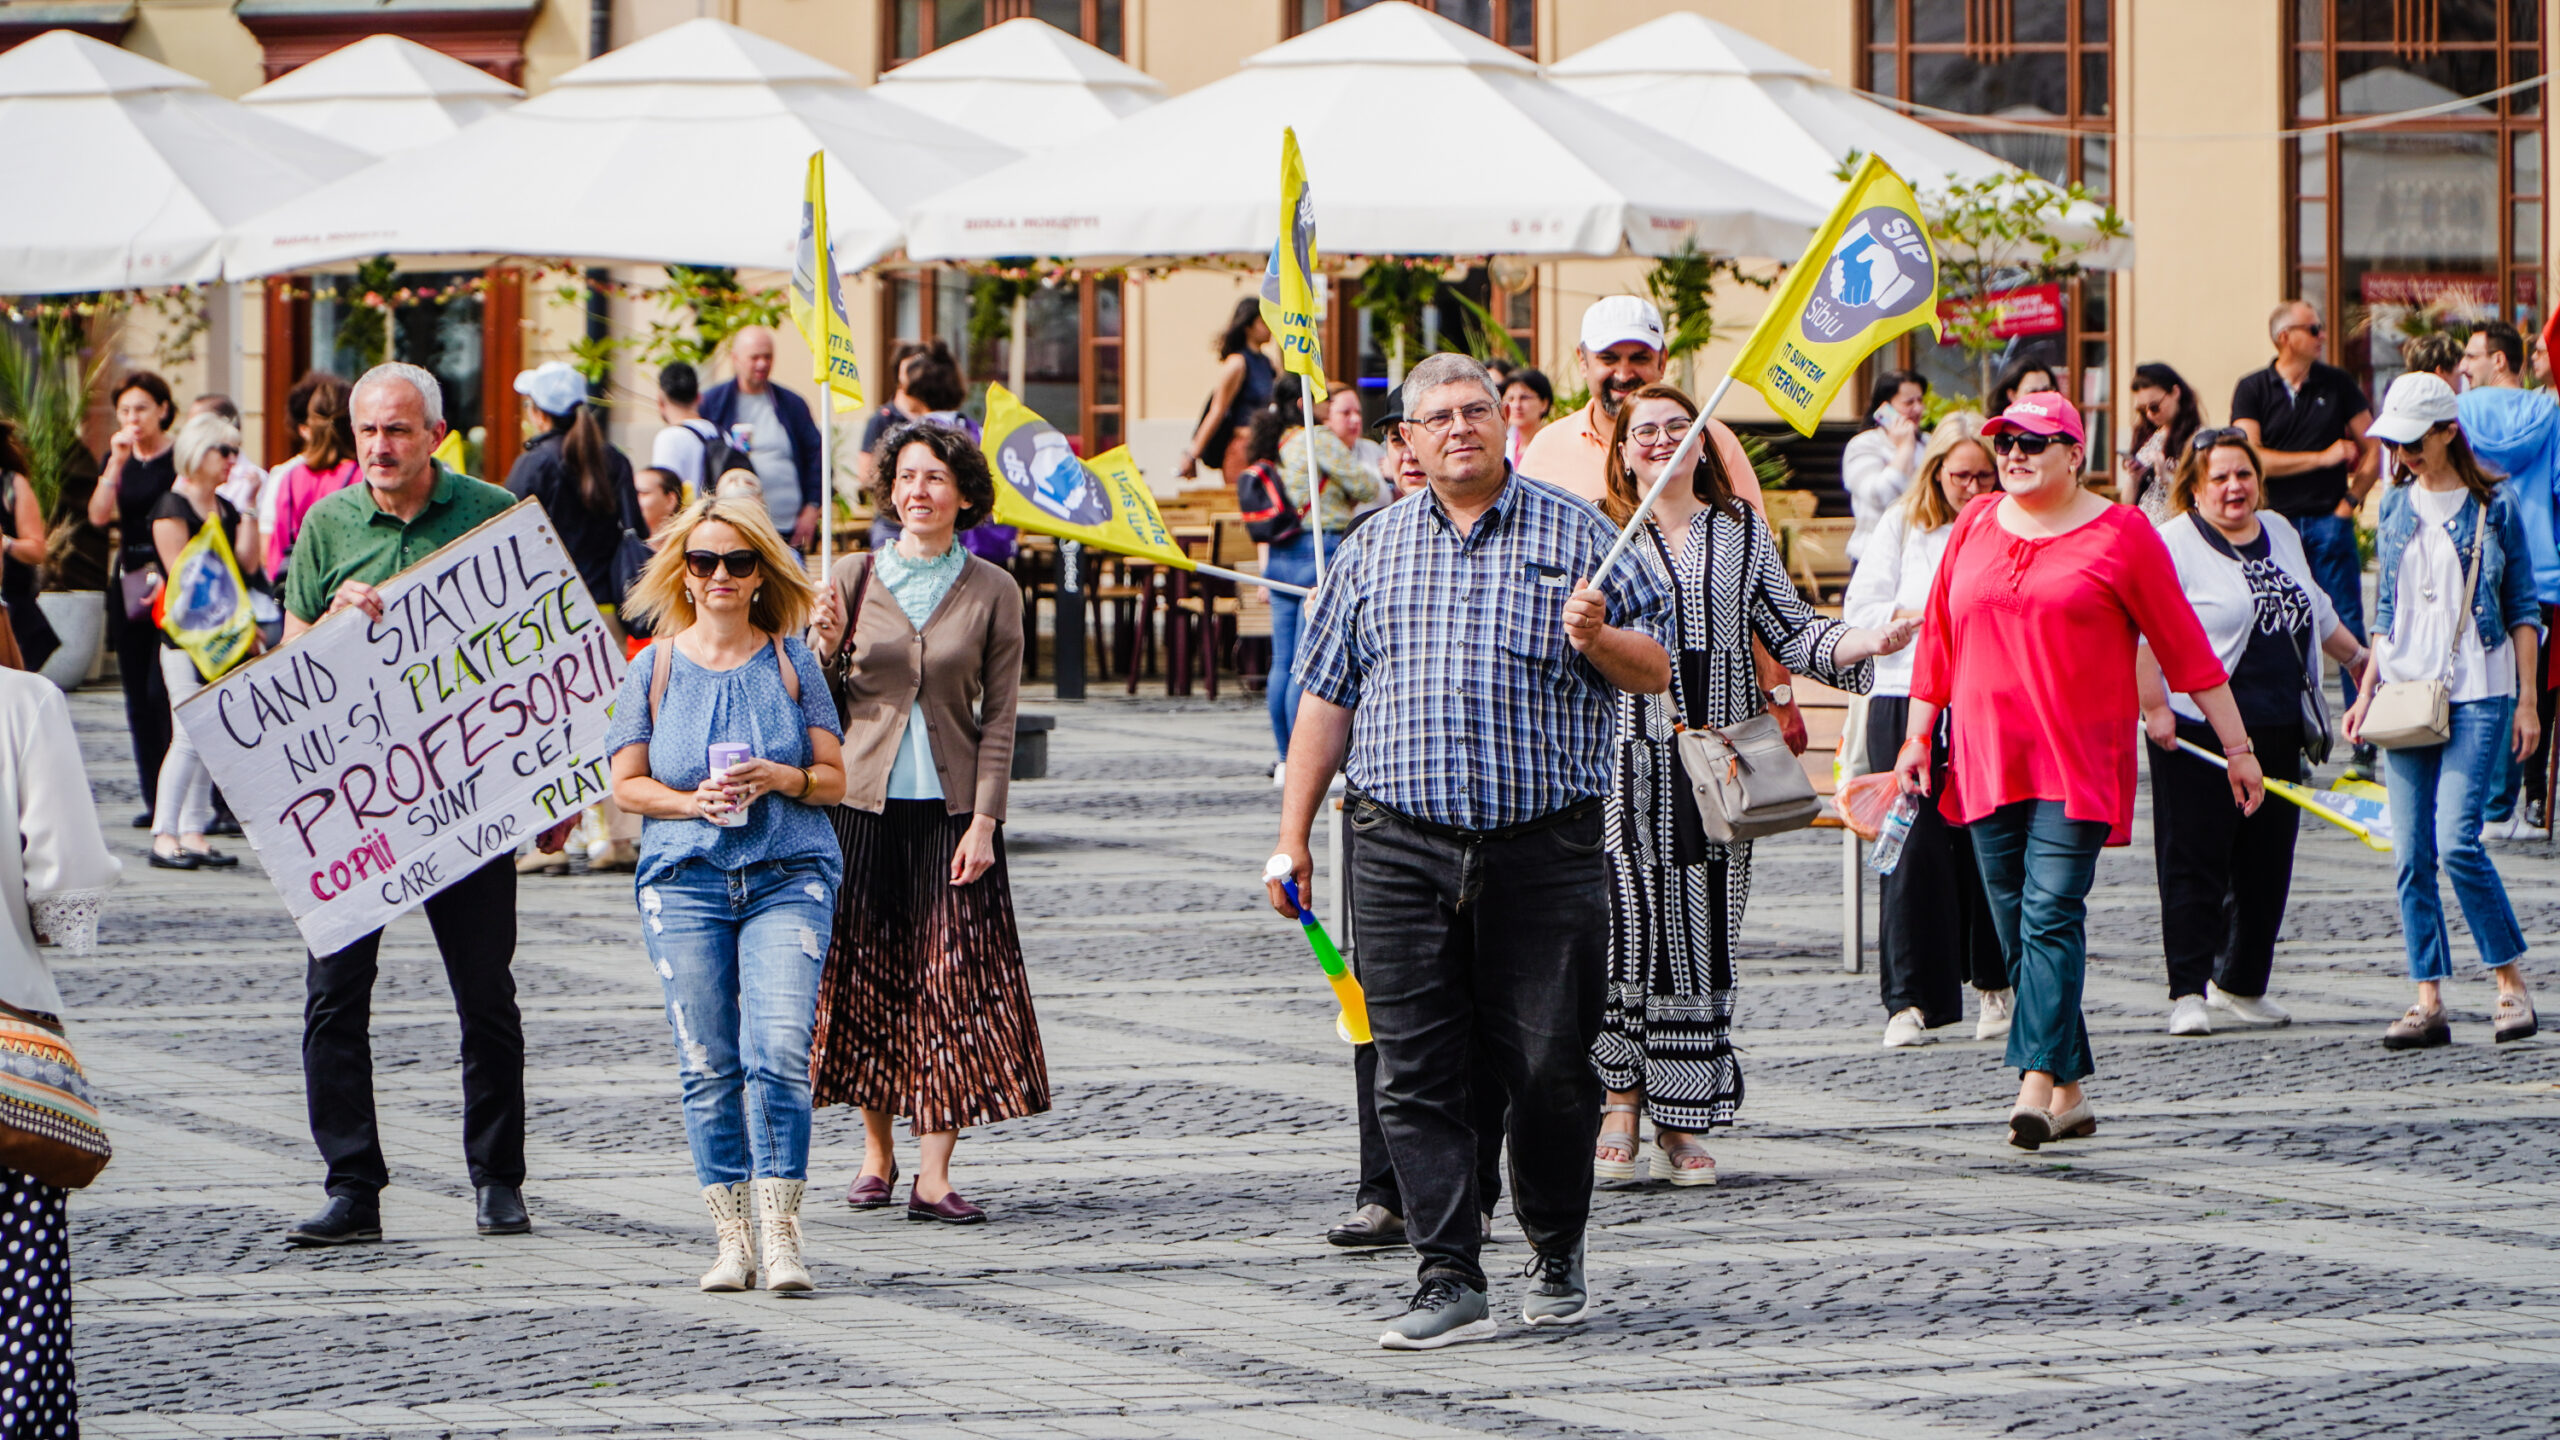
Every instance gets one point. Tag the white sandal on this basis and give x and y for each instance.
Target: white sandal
(1609, 1141)
(1667, 1157)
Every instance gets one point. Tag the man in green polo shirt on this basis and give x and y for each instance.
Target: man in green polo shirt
(407, 508)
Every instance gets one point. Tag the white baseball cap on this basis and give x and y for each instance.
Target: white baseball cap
(554, 388)
(2417, 403)
(1617, 319)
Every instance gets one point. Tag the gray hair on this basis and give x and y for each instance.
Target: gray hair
(430, 394)
(1446, 368)
(200, 435)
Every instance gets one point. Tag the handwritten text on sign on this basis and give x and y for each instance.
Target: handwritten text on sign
(374, 762)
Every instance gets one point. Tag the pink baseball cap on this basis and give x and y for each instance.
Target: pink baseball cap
(2043, 413)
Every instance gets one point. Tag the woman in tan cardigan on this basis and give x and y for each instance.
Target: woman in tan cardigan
(924, 1009)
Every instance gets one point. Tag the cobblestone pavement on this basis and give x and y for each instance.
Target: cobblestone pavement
(2290, 1234)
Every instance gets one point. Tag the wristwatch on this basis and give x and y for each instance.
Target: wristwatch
(1782, 695)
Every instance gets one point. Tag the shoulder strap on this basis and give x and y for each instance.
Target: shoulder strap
(790, 672)
(2462, 620)
(2213, 537)
(659, 666)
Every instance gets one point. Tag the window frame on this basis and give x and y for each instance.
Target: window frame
(1292, 23)
(2081, 349)
(2321, 282)
(992, 14)
(1090, 347)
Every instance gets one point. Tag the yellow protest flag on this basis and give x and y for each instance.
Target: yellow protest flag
(451, 452)
(817, 293)
(1042, 487)
(1288, 281)
(204, 609)
(1869, 276)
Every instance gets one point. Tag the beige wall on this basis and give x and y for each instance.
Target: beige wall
(201, 37)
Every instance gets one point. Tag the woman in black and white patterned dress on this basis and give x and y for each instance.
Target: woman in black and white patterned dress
(1665, 1046)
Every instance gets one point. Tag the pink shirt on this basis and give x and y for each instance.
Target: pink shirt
(2030, 642)
(299, 487)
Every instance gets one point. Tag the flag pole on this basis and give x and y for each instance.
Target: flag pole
(1683, 460)
(826, 477)
(1267, 583)
(1315, 477)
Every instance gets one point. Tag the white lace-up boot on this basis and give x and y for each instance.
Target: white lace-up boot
(778, 1216)
(736, 1267)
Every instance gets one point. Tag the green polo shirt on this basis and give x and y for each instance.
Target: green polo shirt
(348, 537)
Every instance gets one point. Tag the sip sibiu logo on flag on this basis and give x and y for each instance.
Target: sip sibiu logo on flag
(1868, 277)
(817, 294)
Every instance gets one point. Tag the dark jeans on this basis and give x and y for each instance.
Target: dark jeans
(1933, 928)
(1488, 1109)
(146, 698)
(1487, 952)
(2223, 875)
(474, 920)
(2329, 543)
(2037, 866)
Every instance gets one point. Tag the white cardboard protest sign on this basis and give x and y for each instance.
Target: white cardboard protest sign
(372, 763)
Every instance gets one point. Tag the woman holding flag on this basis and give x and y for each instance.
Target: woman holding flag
(924, 1009)
(206, 446)
(1675, 916)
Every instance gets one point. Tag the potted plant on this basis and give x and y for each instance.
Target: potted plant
(44, 390)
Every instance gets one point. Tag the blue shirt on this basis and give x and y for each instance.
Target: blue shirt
(746, 706)
(2519, 432)
(1470, 707)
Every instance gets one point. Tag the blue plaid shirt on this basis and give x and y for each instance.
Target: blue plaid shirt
(1470, 708)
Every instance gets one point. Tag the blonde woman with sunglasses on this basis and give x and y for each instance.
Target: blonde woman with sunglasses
(738, 865)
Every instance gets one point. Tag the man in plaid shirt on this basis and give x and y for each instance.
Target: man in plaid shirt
(1458, 655)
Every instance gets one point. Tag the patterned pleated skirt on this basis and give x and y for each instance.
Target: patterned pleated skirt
(924, 1009)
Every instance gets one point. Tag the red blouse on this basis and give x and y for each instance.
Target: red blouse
(2031, 643)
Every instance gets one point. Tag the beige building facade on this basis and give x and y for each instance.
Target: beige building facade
(2186, 114)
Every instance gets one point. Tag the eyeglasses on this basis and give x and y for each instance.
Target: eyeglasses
(2027, 445)
(227, 452)
(1439, 421)
(740, 563)
(2227, 435)
(2313, 328)
(1649, 433)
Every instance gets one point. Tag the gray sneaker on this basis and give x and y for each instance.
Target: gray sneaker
(1444, 1313)
(1369, 1225)
(1558, 1295)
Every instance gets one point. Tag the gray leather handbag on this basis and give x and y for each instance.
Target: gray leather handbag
(1745, 780)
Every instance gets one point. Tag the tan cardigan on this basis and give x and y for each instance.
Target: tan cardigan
(968, 661)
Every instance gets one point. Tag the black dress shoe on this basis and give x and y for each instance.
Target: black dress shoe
(223, 825)
(213, 859)
(345, 1220)
(142, 821)
(502, 1211)
(183, 860)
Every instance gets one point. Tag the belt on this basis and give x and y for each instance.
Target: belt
(1434, 828)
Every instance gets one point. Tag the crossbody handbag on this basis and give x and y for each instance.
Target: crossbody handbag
(1744, 780)
(2317, 737)
(2413, 714)
(48, 1128)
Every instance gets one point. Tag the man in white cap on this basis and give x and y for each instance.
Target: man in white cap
(1622, 352)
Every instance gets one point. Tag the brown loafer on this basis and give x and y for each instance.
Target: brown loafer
(2418, 1030)
(871, 1192)
(2029, 1127)
(950, 1209)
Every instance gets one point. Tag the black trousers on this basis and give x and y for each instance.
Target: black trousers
(1933, 929)
(1489, 1108)
(146, 696)
(1488, 951)
(2223, 875)
(474, 921)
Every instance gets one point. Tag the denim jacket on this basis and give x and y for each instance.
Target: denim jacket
(2504, 598)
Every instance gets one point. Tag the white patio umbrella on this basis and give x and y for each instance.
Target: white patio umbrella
(1420, 137)
(1025, 83)
(382, 94)
(691, 146)
(122, 173)
(1779, 118)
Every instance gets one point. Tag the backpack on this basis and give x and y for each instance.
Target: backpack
(719, 457)
(1269, 517)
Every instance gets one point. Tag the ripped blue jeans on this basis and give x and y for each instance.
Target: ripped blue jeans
(738, 953)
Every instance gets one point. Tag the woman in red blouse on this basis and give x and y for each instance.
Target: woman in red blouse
(2029, 636)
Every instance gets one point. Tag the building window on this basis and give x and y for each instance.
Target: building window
(2045, 70)
(918, 26)
(2421, 224)
(1071, 371)
(1509, 22)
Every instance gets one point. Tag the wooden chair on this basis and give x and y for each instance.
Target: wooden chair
(1252, 630)
(1817, 553)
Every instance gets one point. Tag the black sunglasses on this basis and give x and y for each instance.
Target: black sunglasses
(741, 563)
(227, 452)
(2030, 445)
(2227, 435)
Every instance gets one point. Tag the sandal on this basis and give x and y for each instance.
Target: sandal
(1614, 1157)
(1680, 1159)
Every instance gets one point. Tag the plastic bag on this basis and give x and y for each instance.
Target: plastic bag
(1864, 800)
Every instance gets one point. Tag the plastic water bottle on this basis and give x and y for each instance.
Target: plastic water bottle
(1890, 835)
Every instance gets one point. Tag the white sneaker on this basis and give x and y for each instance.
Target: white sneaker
(2511, 828)
(1998, 1007)
(1279, 774)
(2189, 1017)
(1906, 1028)
(2247, 1009)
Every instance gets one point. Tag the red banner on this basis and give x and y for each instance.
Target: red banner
(2029, 310)
(2418, 287)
